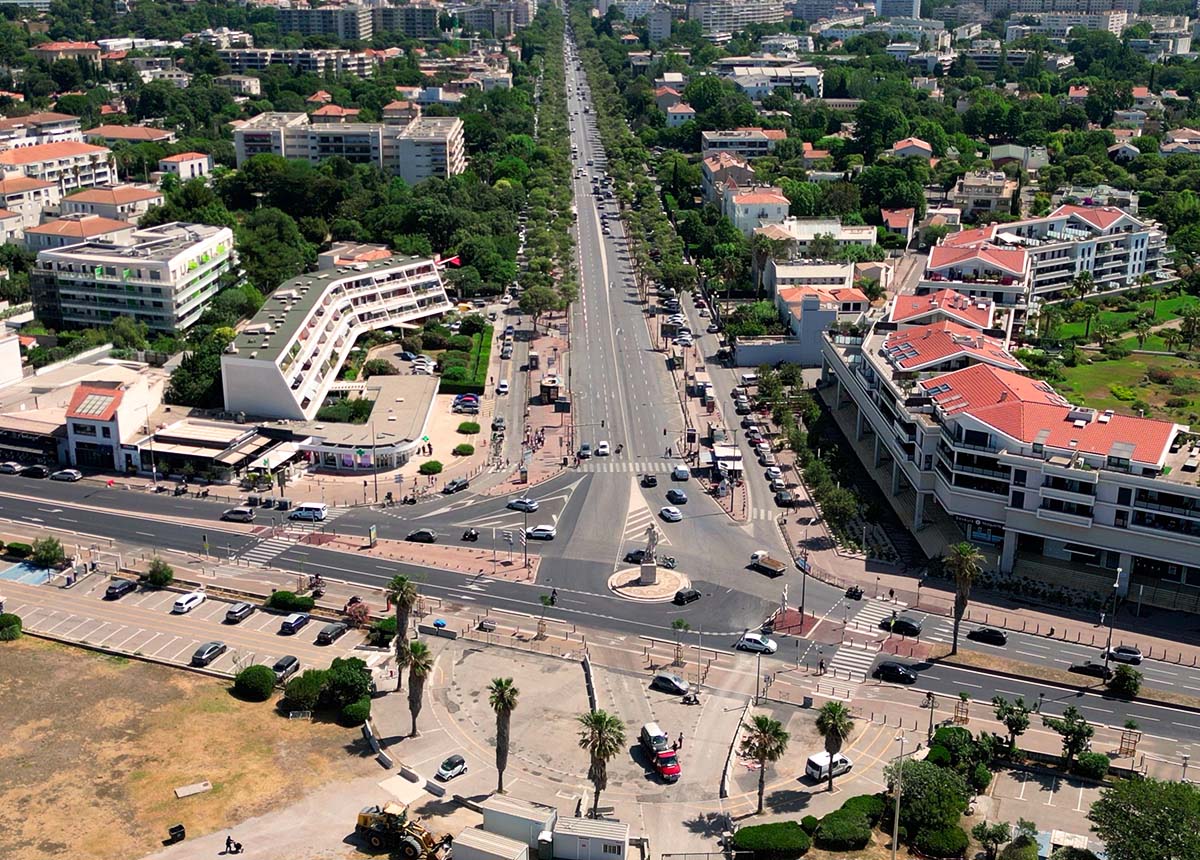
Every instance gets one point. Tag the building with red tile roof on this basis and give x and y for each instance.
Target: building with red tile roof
(911, 146)
(67, 164)
(53, 51)
(335, 113)
(909, 310)
(187, 165)
(129, 133)
(74, 228)
(118, 202)
(945, 346)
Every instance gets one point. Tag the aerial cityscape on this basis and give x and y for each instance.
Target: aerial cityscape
(869, 527)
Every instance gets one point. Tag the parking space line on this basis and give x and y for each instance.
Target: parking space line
(103, 624)
(1053, 790)
(77, 626)
(1024, 779)
(165, 645)
(127, 638)
(1079, 805)
(191, 644)
(61, 623)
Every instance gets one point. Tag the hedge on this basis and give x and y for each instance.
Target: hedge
(809, 823)
(842, 831)
(254, 683)
(1092, 765)
(980, 777)
(430, 467)
(355, 713)
(304, 691)
(382, 632)
(869, 806)
(463, 450)
(286, 601)
(468, 428)
(1021, 848)
(10, 627)
(477, 369)
(779, 840)
(947, 842)
(939, 755)
(20, 550)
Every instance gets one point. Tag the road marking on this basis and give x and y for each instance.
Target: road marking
(973, 686)
(125, 641)
(1053, 789)
(1029, 654)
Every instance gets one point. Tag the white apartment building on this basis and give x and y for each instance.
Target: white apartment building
(27, 197)
(746, 142)
(37, 128)
(119, 202)
(898, 8)
(222, 37)
(76, 228)
(727, 16)
(317, 61)
(69, 164)
(415, 20)
(350, 22)
(800, 233)
(1058, 25)
(163, 276)
(240, 85)
(187, 165)
(1019, 262)
(283, 363)
(760, 81)
(754, 207)
(986, 191)
(430, 146)
(814, 274)
(1059, 492)
(658, 23)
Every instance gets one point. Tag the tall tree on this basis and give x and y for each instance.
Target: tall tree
(765, 741)
(1083, 284)
(1014, 715)
(834, 724)
(1076, 732)
(502, 696)
(965, 563)
(403, 594)
(1148, 819)
(602, 736)
(420, 664)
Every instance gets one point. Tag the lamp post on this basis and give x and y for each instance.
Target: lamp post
(899, 788)
(1183, 776)
(1112, 617)
(931, 702)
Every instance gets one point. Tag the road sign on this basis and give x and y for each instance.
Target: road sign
(372, 534)
(507, 537)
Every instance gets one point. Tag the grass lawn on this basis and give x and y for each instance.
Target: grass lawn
(1091, 383)
(1168, 309)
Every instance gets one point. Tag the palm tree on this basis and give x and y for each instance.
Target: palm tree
(1089, 312)
(765, 741)
(402, 592)
(834, 724)
(1105, 332)
(762, 249)
(965, 563)
(1172, 337)
(1190, 325)
(1142, 332)
(603, 736)
(1083, 284)
(1051, 317)
(502, 696)
(420, 664)
(1145, 281)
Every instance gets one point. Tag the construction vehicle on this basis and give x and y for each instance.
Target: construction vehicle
(389, 827)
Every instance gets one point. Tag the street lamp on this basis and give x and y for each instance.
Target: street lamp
(1183, 776)
(1112, 618)
(931, 703)
(899, 788)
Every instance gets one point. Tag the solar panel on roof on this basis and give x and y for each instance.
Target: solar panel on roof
(94, 404)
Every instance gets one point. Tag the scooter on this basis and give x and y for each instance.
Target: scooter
(691, 698)
(471, 535)
(667, 561)
(620, 447)
(854, 592)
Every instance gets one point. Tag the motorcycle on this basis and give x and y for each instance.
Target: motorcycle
(471, 535)
(410, 500)
(620, 448)
(854, 592)
(667, 561)
(691, 699)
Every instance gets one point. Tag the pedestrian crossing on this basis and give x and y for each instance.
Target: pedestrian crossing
(852, 661)
(872, 614)
(608, 465)
(764, 514)
(636, 521)
(268, 549)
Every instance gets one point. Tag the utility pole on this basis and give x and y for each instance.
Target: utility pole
(1112, 618)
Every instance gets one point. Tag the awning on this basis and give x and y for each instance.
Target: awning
(276, 457)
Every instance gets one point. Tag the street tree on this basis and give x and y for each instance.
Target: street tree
(764, 741)
(502, 696)
(1076, 732)
(964, 563)
(536, 301)
(680, 627)
(1148, 819)
(992, 836)
(420, 664)
(1014, 715)
(402, 592)
(602, 736)
(48, 552)
(934, 797)
(835, 723)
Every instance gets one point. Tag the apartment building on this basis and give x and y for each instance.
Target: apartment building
(1057, 491)
(758, 82)
(1018, 262)
(222, 37)
(898, 8)
(718, 17)
(37, 128)
(76, 228)
(430, 146)
(983, 192)
(1058, 25)
(800, 233)
(721, 169)
(68, 164)
(327, 62)
(753, 207)
(27, 198)
(658, 23)
(415, 20)
(746, 142)
(350, 22)
(240, 85)
(499, 19)
(1034, 7)
(164, 276)
(815, 274)
(187, 165)
(283, 363)
(51, 52)
(110, 134)
(118, 202)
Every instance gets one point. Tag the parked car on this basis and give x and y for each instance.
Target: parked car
(897, 673)
(423, 536)
(10, 468)
(454, 766)
(524, 503)
(455, 486)
(542, 532)
(208, 652)
(902, 625)
(989, 636)
(670, 683)
(1092, 670)
(35, 472)
(71, 475)
(467, 407)
(185, 603)
(293, 623)
(757, 642)
(499, 424)
(1124, 654)
(635, 556)
(238, 612)
(332, 632)
(285, 667)
(684, 596)
(118, 588)
(819, 764)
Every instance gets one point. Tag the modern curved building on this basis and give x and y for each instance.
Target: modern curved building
(283, 363)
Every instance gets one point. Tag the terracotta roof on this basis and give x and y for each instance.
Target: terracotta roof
(1078, 92)
(950, 303)
(969, 238)
(724, 159)
(66, 46)
(1101, 217)
(1141, 92)
(82, 228)
(364, 256)
(47, 151)
(1010, 260)
(115, 194)
(774, 231)
(21, 184)
(320, 97)
(6, 214)
(128, 132)
(682, 107)
(33, 119)
(911, 142)
(1148, 438)
(397, 105)
(94, 403)
(927, 346)
(835, 295)
(982, 385)
(768, 133)
(755, 198)
(335, 110)
(114, 55)
(811, 154)
(662, 91)
(898, 219)
(184, 156)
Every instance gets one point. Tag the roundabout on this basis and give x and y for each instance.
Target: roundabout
(627, 584)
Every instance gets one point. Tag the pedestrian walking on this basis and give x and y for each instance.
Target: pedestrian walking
(679, 743)
(228, 844)
(891, 594)
(821, 667)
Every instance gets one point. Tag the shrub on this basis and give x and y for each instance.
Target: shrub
(1125, 682)
(1092, 765)
(355, 713)
(382, 632)
(346, 681)
(379, 367)
(1178, 403)
(468, 428)
(1115, 351)
(159, 574)
(455, 373)
(869, 806)
(945, 842)
(286, 601)
(304, 691)
(1068, 852)
(939, 755)
(19, 550)
(842, 831)
(1122, 392)
(254, 683)
(48, 552)
(10, 627)
(430, 467)
(809, 823)
(456, 358)
(1160, 375)
(1185, 385)
(957, 741)
(1022, 848)
(779, 840)
(463, 450)
(980, 777)
(460, 342)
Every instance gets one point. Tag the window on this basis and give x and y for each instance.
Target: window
(1018, 499)
(612, 848)
(1123, 496)
(1019, 477)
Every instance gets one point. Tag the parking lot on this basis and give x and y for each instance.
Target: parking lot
(141, 623)
(1049, 801)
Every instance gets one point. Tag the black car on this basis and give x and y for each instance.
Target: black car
(635, 556)
(456, 486)
(35, 472)
(989, 636)
(118, 588)
(423, 536)
(332, 632)
(677, 497)
(498, 424)
(649, 481)
(238, 612)
(1092, 670)
(902, 625)
(208, 652)
(897, 673)
(285, 667)
(785, 499)
(684, 596)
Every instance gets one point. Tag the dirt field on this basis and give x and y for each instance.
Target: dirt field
(94, 747)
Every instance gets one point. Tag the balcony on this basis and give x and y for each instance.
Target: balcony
(1064, 495)
(949, 440)
(1057, 516)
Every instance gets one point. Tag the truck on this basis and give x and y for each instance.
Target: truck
(761, 560)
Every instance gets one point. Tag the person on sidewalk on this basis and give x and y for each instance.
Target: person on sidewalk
(228, 844)
(679, 743)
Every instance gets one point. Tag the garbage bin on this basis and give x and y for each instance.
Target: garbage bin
(177, 832)
(252, 501)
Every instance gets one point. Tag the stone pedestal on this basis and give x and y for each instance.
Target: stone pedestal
(649, 573)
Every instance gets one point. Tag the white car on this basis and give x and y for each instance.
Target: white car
(757, 643)
(9, 468)
(525, 504)
(541, 532)
(502, 387)
(187, 602)
(603, 450)
(67, 475)
(671, 514)
(683, 341)
(774, 473)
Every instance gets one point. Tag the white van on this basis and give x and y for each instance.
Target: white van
(680, 473)
(749, 379)
(315, 511)
(818, 765)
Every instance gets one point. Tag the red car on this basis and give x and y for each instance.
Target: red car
(666, 764)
